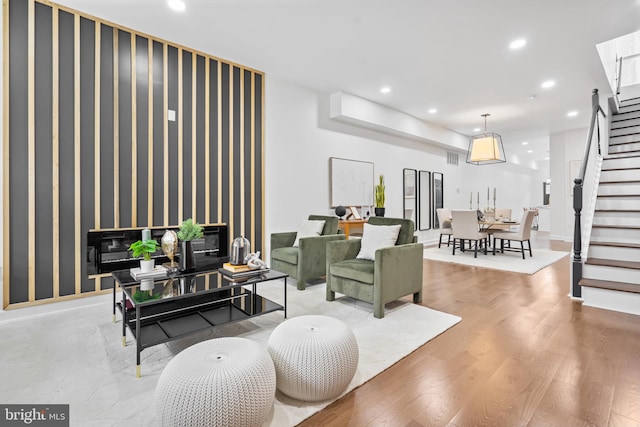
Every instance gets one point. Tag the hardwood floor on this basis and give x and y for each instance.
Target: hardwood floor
(525, 354)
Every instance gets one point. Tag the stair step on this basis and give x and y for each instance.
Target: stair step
(629, 148)
(608, 284)
(619, 182)
(608, 299)
(618, 252)
(627, 130)
(611, 233)
(620, 174)
(622, 124)
(629, 108)
(624, 139)
(619, 210)
(591, 270)
(635, 265)
(616, 244)
(617, 162)
(624, 116)
(621, 203)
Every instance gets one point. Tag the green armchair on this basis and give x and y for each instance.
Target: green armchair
(307, 260)
(396, 271)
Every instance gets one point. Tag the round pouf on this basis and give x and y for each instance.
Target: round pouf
(315, 357)
(220, 382)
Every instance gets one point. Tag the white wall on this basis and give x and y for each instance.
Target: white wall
(300, 139)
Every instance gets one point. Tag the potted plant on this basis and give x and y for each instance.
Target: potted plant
(189, 230)
(144, 249)
(379, 209)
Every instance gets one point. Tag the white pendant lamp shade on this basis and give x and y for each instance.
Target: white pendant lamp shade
(486, 148)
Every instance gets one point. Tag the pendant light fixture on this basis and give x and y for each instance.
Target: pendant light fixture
(486, 148)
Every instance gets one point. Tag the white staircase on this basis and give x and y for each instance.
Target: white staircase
(611, 274)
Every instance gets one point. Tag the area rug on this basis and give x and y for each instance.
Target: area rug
(75, 356)
(507, 261)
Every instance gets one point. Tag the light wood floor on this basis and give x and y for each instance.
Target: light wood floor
(524, 355)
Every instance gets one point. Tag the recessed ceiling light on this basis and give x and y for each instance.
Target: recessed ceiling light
(432, 111)
(548, 84)
(477, 129)
(177, 5)
(572, 113)
(546, 158)
(530, 151)
(385, 89)
(517, 44)
(525, 143)
(532, 97)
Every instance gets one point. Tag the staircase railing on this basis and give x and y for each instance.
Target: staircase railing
(576, 259)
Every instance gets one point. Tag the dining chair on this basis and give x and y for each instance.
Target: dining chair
(444, 219)
(465, 227)
(521, 235)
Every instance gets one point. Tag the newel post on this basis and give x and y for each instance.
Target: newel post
(576, 259)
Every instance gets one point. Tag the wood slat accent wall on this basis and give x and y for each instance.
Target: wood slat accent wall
(87, 143)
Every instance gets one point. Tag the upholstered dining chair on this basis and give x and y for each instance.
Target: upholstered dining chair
(523, 234)
(386, 264)
(444, 219)
(302, 254)
(465, 227)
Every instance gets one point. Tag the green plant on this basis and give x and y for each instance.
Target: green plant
(380, 193)
(189, 230)
(144, 248)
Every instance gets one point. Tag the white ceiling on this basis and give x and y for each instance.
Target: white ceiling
(450, 55)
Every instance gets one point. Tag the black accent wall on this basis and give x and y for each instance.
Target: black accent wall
(88, 144)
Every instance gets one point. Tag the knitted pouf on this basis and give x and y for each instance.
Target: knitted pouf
(315, 357)
(220, 382)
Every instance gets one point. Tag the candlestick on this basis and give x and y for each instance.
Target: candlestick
(146, 234)
(478, 200)
(471, 201)
(494, 194)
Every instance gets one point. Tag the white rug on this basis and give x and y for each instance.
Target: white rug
(75, 356)
(507, 261)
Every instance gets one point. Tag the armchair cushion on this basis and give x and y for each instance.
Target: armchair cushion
(309, 228)
(289, 255)
(355, 269)
(375, 237)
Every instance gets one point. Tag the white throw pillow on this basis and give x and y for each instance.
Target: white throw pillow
(309, 228)
(375, 237)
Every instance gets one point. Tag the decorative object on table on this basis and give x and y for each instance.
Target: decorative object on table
(144, 249)
(341, 211)
(254, 262)
(223, 381)
(169, 244)
(315, 357)
(379, 209)
(486, 148)
(240, 248)
(158, 271)
(189, 231)
(353, 213)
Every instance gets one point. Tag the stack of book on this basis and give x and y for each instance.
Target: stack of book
(239, 272)
(158, 271)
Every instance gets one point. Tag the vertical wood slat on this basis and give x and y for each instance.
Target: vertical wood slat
(165, 115)
(134, 135)
(231, 154)
(96, 128)
(262, 115)
(253, 157)
(96, 135)
(116, 131)
(31, 149)
(6, 228)
(220, 141)
(55, 150)
(76, 153)
(150, 131)
(180, 137)
(194, 136)
(207, 150)
(243, 231)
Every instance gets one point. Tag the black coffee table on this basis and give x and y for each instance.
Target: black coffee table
(183, 304)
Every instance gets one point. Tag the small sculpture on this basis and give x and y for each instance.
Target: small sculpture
(169, 243)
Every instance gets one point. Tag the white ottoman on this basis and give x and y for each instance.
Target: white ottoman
(315, 356)
(220, 382)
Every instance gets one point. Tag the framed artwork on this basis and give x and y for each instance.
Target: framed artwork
(409, 204)
(351, 182)
(437, 186)
(424, 200)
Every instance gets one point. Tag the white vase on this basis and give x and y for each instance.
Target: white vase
(147, 266)
(146, 285)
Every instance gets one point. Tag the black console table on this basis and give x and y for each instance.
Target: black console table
(182, 304)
